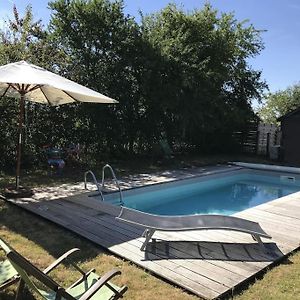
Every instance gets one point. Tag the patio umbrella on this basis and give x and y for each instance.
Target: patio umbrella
(30, 82)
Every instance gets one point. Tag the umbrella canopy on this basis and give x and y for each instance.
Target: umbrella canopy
(42, 86)
(30, 82)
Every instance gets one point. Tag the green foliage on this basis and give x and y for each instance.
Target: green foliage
(18, 42)
(207, 86)
(8, 132)
(26, 39)
(181, 76)
(280, 103)
(104, 47)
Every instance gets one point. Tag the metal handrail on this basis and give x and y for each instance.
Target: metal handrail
(95, 181)
(115, 179)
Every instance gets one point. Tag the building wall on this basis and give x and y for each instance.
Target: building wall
(290, 127)
(265, 132)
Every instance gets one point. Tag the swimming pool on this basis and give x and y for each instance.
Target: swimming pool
(225, 193)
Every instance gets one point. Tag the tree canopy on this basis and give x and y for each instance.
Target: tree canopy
(205, 72)
(180, 75)
(280, 103)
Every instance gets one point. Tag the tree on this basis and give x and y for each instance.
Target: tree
(26, 39)
(207, 85)
(104, 47)
(17, 43)
(177, 75)
(280, 103)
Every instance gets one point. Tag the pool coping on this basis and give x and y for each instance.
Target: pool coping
(206, 173)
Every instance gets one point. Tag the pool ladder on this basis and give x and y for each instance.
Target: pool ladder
(100, 188)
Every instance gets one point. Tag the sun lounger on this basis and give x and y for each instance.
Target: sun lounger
(154, 223)
(88, 286)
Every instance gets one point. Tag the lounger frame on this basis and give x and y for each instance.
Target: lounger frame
(154, 223)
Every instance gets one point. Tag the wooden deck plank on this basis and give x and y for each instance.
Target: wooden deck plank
(208, 253)
(274, 218)
(219, 268)
(181, 236)
(237, 237)
(284, 235)
(104, 236)
(92, 236)
(165, 268)
(213, 284)
(207, 263)
(273, 225)
(282, 210)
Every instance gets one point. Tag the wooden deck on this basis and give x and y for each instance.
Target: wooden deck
(207, 263)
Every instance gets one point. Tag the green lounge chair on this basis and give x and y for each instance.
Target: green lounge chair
(166, 149)
(8, 274)
(89, 286)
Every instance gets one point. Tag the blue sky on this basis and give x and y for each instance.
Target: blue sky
(279, 61)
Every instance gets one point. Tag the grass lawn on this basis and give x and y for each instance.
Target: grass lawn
(42, 242)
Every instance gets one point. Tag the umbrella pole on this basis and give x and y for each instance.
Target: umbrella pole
(19, 146)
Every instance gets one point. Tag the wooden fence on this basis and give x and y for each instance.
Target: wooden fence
(258, 138)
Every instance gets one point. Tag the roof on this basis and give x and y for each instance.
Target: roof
(289, 114)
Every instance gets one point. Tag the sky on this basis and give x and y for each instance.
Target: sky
(279, 61)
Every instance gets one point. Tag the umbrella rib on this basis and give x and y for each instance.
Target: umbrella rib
(9, 85)
(46, 97)
(71, 96)
(15, 87)
(18, 87)
(38, 86)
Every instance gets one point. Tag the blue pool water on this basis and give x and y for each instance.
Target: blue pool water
(225, 195)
